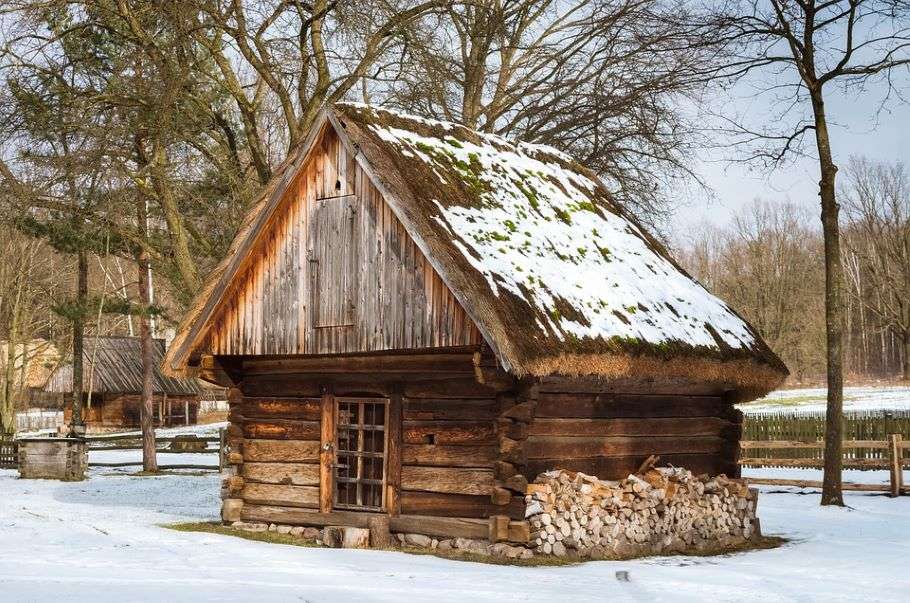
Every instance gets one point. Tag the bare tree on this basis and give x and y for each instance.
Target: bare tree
(877, 203)
(602, 80)
(767, 264)
(796, 51)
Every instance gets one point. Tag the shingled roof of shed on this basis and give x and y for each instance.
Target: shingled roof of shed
(557, 276)
(113, 365)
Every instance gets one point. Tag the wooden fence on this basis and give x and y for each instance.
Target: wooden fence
(891, 457)
(9, 454)
(172, 445)
(9, 451)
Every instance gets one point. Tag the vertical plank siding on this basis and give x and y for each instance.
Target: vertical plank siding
(337, 273)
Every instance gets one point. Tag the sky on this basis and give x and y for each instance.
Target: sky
(860, 128)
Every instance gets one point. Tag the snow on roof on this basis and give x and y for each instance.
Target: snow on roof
(537, 231)
(564, 267)
(557, 276)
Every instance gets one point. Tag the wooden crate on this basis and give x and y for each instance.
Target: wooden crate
(53, 458)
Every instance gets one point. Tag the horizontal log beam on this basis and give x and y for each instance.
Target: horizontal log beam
(448, 480)
(618, 406)
(440, 455)
(690, 426)
(421, 363)
(290, 496)
(537, 447)
(448, 432)
(281, 451)
(458, 505)
(295, 474)
(281, 429)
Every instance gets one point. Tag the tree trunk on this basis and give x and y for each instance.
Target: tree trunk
(77, 429)
(905, 361)
(834, 309)
(146, 407)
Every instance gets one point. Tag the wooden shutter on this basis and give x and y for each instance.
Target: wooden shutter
(332, 238)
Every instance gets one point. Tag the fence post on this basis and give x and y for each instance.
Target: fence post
(895, 462)
(221, 444)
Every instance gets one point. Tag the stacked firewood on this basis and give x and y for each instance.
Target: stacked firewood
(659, 510)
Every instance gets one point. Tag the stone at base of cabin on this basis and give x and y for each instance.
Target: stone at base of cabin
(284, 529)
(273, 527)
(312, 533)
(297, 531)
(250, 526)
(418, 540)
(344, 537)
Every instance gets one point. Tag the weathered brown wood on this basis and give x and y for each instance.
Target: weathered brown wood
(394, 455)
(449, 432)
(379, 526)
(499, 528)
(288, 451)
(305, 409)
(458, 505)
(615, 406)
(447, 479)
(538, 447)
(445, 527)
(895, 464)
(281, 429)
(693, 426)
(327, 454)
(501, 496)
(438, 455)
(296, 474)
(442, 409)
(519, 531)
(275, 494)
(446, 362)
(415, 386)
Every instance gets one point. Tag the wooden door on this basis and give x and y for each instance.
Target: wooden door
(332, 256)
(361, 445)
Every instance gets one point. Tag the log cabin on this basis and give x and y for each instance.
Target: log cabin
(416, 319)
(112, 387)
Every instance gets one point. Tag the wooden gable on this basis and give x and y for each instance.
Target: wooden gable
(335, 272)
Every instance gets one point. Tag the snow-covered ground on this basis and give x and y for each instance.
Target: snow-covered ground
(813, 400)
(101, 540)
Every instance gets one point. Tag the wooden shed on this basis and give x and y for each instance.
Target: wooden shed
(113, 375)
(416, 319)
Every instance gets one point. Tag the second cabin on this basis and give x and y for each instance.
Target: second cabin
(417, 319)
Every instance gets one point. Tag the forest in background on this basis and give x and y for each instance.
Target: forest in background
(134, 135)
(767, 263)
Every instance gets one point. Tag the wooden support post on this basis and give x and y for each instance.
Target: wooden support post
(186, 412)
(327, 453)
(393, 456)
(895, 462)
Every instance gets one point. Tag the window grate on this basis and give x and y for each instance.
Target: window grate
(360, 463)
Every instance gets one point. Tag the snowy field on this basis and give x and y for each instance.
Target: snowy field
(100, 540)
(813, 400)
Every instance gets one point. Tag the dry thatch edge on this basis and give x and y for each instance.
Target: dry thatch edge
(752, 378)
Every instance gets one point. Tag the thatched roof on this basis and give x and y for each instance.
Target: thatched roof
(557, 276)
(113, 365)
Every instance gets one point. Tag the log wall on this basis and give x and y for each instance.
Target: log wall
(610, 435)
(460, 452)
(443, 446)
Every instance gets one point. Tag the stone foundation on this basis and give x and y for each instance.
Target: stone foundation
(665, 510)
(662, 511)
